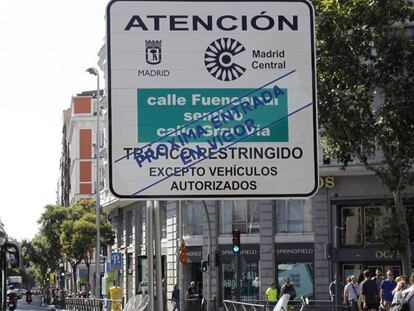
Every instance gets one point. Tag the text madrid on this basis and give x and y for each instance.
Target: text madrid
(260, 22)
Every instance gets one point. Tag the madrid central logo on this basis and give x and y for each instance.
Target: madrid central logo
(219, 59)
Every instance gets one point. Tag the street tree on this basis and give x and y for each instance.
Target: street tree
(79, 235)
(36, 254)
(50, 227)
(365, 57)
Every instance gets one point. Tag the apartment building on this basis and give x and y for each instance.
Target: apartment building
(78, 163)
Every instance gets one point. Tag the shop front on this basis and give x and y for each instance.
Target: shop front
(361, 247)
(239, 274)
(353, 261)
(296, 261)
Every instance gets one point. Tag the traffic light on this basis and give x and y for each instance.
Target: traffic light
(236, 241)
(204, 266)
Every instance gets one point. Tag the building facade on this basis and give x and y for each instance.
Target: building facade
(309, 241)
(78, 167)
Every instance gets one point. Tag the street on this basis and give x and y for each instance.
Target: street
(35, 305)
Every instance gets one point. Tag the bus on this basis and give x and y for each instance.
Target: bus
(9, 258)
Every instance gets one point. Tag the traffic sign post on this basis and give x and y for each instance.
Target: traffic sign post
(211, 99)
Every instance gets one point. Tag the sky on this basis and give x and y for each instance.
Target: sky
(46, 45)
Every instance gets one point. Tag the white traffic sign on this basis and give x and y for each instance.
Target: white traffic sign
(211, 99)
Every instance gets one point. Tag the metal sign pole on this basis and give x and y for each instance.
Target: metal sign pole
(180, 267)
(209, 256)
(150, 255)
(158, 268)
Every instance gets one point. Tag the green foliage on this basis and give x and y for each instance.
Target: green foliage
(392, 230)
(65, 233)
(365, 53)
(50, 227)
(365, 58)
(36, 254)
(79, 232)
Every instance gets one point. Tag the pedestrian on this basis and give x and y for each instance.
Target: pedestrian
(408, 294)
(387, 286)
(288, 288)
(378, 278)
(332, 290)
(175, 298)
(191, 297)
(369, 293)
(191, 291)
(351, 294)
(402, 284)
(271, 295)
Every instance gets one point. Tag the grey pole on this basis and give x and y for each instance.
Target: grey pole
(98, 199)
(150, 256)
(180, 266)
(158, 268)
(208, 256)
(95, 72)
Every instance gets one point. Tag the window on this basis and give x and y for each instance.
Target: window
(359, 223)
(301, 276)
(193, 214)
(372, 216)
(242, 215)
(352, 225)
(249, 281)
(293, 216)
(352, 269)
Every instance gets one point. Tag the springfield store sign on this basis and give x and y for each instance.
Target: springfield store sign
(212, 99)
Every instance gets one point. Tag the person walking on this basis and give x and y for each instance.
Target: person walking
(387, 286)
(402, 284)
(175, 298)
(271, 295)
(191, 297)
(369, 293)
(378, 278)
(408, 294)
(332, 290)
(288, 288)
(351, 294)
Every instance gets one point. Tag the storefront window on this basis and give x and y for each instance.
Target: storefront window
(228, 281)
(249, 281)
(249, 290)
(351, 224)
(301, 276)
(293, 216)
(242, 215)
(372, 215)
(193, 212)
(352, 269)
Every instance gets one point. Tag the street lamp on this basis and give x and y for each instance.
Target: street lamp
(95, 72)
